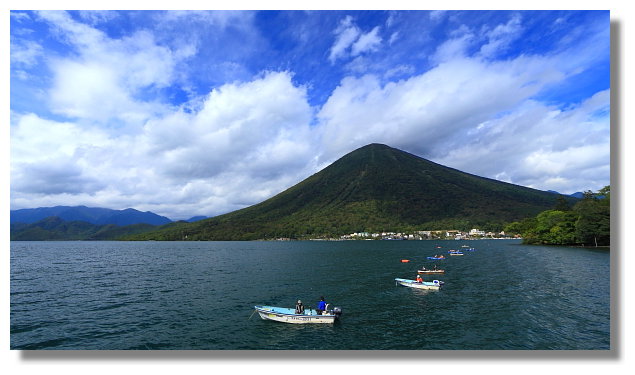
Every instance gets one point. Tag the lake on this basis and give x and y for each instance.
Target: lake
(200, 295)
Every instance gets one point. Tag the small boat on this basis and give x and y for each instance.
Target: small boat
(405, 260)
(431, 285)
(288, 315)
(431, 272)
(456, 253)
(440, 257)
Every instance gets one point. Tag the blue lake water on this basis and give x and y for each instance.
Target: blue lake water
(200, 295)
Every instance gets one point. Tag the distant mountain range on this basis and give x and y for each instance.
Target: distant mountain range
(578, 194)
(54, 228)
(83, 223)
(374, 188)
(196, 218)
(92, 215)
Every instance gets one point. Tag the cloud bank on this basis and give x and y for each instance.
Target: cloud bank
(120, 122)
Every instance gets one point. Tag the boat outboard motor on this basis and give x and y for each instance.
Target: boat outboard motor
(337, 311)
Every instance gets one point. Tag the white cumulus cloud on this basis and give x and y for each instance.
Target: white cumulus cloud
(501, 36)
(246, 142)
(479, 117)
(350, 41)
(366, 42)
(108, 78)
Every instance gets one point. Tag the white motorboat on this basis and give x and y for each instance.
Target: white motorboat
(432, 285)
(288, 315)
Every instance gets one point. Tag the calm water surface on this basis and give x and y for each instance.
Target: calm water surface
(200, 295)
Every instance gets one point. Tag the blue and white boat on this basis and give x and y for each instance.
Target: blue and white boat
(431, 285)
(288, 315)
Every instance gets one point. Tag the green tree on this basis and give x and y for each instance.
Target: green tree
(521, 227)
(605, 192)
(562, 204)
(554, 227)
(588, 223)
(593, 226)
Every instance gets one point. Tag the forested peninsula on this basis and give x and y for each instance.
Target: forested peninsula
(586, 223)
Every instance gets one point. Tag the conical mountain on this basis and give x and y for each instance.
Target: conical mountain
(374, 188)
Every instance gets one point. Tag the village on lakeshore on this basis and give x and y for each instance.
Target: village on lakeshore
(474, 234)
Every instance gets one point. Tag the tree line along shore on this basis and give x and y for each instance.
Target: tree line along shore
(586, 223)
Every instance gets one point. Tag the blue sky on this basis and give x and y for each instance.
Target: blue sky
(200, 113)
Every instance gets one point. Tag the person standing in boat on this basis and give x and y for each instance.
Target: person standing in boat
(299, 307)
(321, 306)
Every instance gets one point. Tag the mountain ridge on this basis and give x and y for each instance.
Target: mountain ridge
(92, 215)
(54, 228)
(373, 188)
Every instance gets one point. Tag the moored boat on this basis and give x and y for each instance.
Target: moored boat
(430, 285)
(431, 272)
(288, 315)
(439, 257)
(456, 254)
